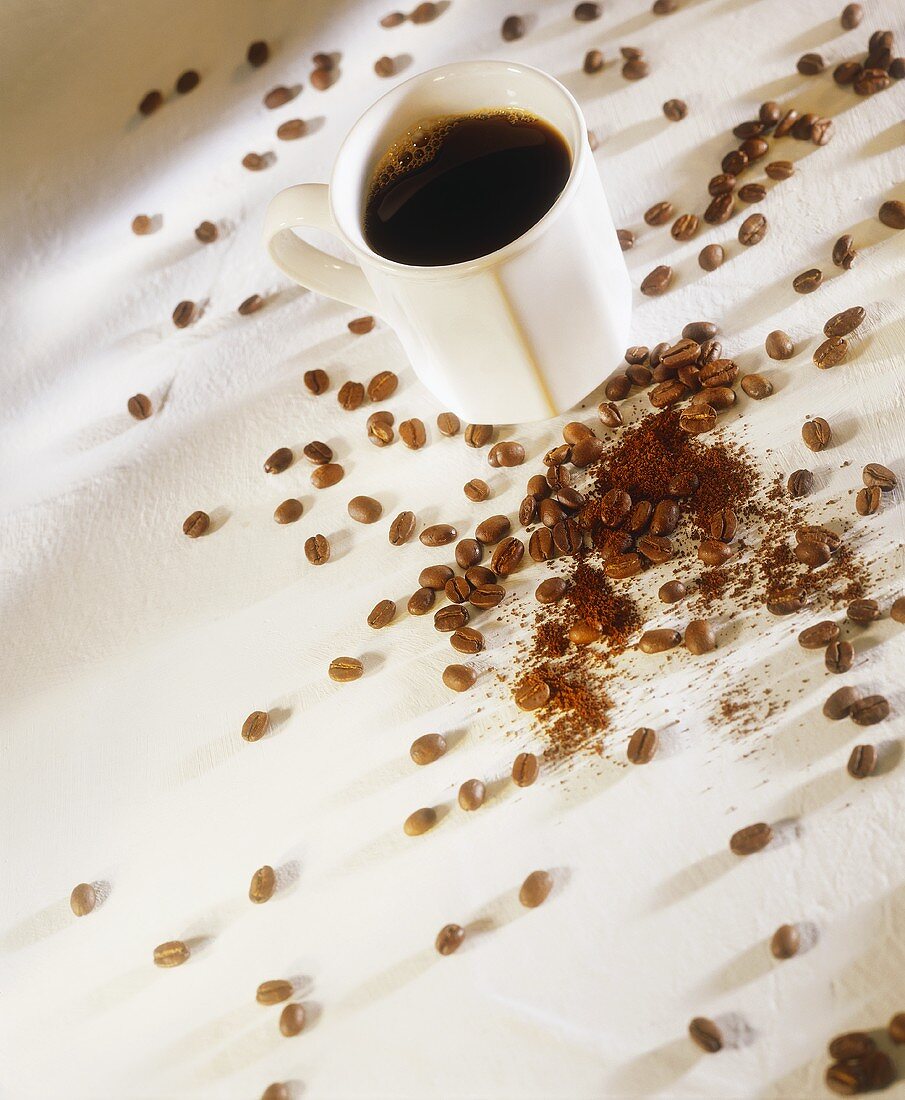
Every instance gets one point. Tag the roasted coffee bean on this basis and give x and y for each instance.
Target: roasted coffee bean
(787, 601)
(688, 376)
(584, 633)
(720, 209)
(507, 556)
(289, 511)
(706, 1034)
(567, 536)
(880, 477)
(810, 64)
(844, 253)
(657, 282)
(675, 109)
(867, 502)
(700, 637)
(852, 14)
(586, 12)
(615, 506)
(609, 414)
(672, 592)
(350, 395)
(756, 386)
(852, 1045)
(618, 387)
(621, 566)
(808, 281)
(685, 227)
(292, 129)
(317, 453)
(459, 677)
(256, 162)
(532, 694)
(780, 169)
(750, 128)
(413, 434)
(847, 72)
(769, 113)
(551, 590)
(448, 423)
(721, 184)
(593, 61)
(638, 375)
(280, 460)
(184, 314)
(863, 611)
(700, 331)
(892, 214)
(528, 511)
(664, 7)
(273, 992)
(751, 839)
(640, 516)
(507, 453)
(478, 435)
(839, 656)
(801, 129)
(196, 525)
(251, 305)
(427, 748)
(402, 528)
(655, 548)
(421, 821)
(635, 69)
(819, 635)
(172, 953)
(585, 452)
(535, 890)
(879, 1070)
(897, 611)
(435, 576)
(541, 546)
(785, 942)
(723, 524)
(711, 257)
(841, 324)
(831, 352)
(734, 163)
(345, 669)
(697, 419)
(846, 1079)
(839, 704)
(292, 1020)
(451, 618)
(812, 554)
(322, 477)
(718, 372)
(871, 81)
(279, 96)
(150, 102)
(361, 326)
(896, 1028)
(815, 533)
(785, 124)
(421, 601)
(467, 640)
(426, 12)
(263, 885)
(316, 381)
(642, 746)
(317, 549)
(659, 640)
(382, 614)
(862, 761)
(637, 354)
(665, 518)
(450, 937)
(457, 590)
(778, 345)
(626, 239)
(752, 192)
(468, 552)
(139, 406)
(385, 66)
(476, 490)
(816, 434)
(753, 229)
(477, 575)
(382, 385)
(255, 725)
(438, 534)
(258, 53)
(667, 393)
(83, 899)
(754, 148)
(525, 769)
(142, 225)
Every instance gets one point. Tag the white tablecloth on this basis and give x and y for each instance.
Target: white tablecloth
(131, 655)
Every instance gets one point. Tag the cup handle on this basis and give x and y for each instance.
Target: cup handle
(307, 206)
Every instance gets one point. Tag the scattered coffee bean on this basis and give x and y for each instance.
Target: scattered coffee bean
(800, 483)
(685, 227)
(184, 314)
(292, 1020)
(536, 888)
(846, 1079)
(626, 239)
(672, 592)
(787, 601)
(279, 96)
(892, 214)
(350, 395)
(507, 556)
(847, 72)
(321, 79)
(807, 281)
(816, 434)
(659, 213)
(292, 129)
(785, 124)
(139, 406)
(439, 534)
(317, 550)
(812, 554)
(491, 530)
(586, 12)
(863, 611)
(151, 102)
(675, 109)
(345, 669)
(257, 54)
(841, 324)
(425, 12)
(531, 694)
(251, 305)
(476, 489)
(665, 518)
(780, 169)
(427, 748)
(659, 640)
(852, 14)
(844, 253)
(172, 953)
(700, 637)
(330, 473)
(468, 553)
(420, 822)
(525, 769)
(382, 385)
(316, 381)
(819, 635)
(753, 229)
(831, 352)
(635, 68)
(196, 525)
(435, 576)
(871, 81)
(862, 762)
(273, 992)
(786, 942)
(778, 345)
(471, 795)
(457, 589)
(413, 433)
(839, 704)
(449, 939)
(256, 162)
(706, 1034)
(810, 64)
(642, 746)
(751, 839)
(263, 885)
(756, 386)
(448, 423)
(657, 282)
(365, 509)
(486, 595)
(617, 387)
(402, 528)
(289, 511)
(897, 611)
(713, 552)
(421, 601)
(382, 614)
(142, 225)
(896, 1028)
(83, 899)
(459, 677)
(711, 257)
(867, 502)
(478, 435)
(839, 656)
(881, 477)
(385, 66)
(551, 590)
(506, 454)
(593, 61)
(869, 711)
(584, 633)
(280, 460)
(852, 1045)
(752, 192)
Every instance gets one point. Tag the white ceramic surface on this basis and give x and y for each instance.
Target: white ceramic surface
(503, 337)
(131, 655)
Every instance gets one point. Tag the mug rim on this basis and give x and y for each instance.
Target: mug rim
(579, 155)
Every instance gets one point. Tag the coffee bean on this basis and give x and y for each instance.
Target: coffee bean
(706, 1034)
(256, 162)
(897, 611)
(659, 640)
(700, 637)
(317, 550)
(468, 552)
(280, 460)
(382, 385)
(803, 126)
(659, 213)
(279, 96)
(385, 66)
(525, 769)
(881, 477)
(839, 656)
(672, 592)
(593, 61)
(664, 7)
(551, 590)
(816, 433)
(402, 528)
(846, 1079)
(852, 1045)
(721, 184)
(425, 12)
(172, 953)
(711, 257)
(345, 669)
(896, 1028)
(184, 314)
(413, 434)
(350, 395)
(847, 72)
(622, 566)
(316, 381)
(507, 556)
(476, 489)
(819, 635)
(584, 633)
(83, 899)
(273, 992)
(785, 124)
(844, 253)
(626, 239)
(478, 575)
(150, 102)
(892, 214)
(718, 397)
(752, 192)
(289, 511)
(439, 534)
(322, 477)
(808, 281)
(862, 761)
(631, 53)
(675, 109)
(751, 839)
(867, 502)
(142, 225)
(257, 54)
(638, 375)
(718, 372)
(753, 229)
(810, 64)
(870, 710)
(251, 305)
(139, 406)
(780, 169)
(812, 554)
(786, 942)
(635, 69)
(459, 677)
(831, 352)
(756, 386)
(380, 430)
(532, 694)
(617, 388)
(779, 345)
(815, 533)
(448, 423)
(667, 393)
(292, 1020)
(322, 77)
(457, 590)
(292, 129)
(471, 795)
(427, 748)
(665, 518)
(751, 128)
(719, 210)
(478, 435)
(655, 548)
(697, 419)
(541, 546)
(506, 454)
(839, 704)
(841, 324)
(852, 14)
(657, 282)
(685, 227)
(754, 148)
(317, 453)
(879, 1070)
(535, 890)
(435, 576)
(449, 939)
(642, 746)
(382, 614)
(263, 885)
(196, 525)
(787, 601)
(870, 81)
(421, 821)
(421, 601)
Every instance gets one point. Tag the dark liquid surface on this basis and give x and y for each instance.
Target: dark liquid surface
(464, 186)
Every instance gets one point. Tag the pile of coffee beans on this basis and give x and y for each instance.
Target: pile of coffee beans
(859, 1065)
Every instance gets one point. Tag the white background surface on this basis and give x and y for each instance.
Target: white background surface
(132, 655)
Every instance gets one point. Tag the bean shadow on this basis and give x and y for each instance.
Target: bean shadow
(653, 1072)
(38, 926)
(389, 981)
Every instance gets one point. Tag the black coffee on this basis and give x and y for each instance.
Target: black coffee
(461, 187)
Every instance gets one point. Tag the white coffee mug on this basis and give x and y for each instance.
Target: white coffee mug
(520, 334)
